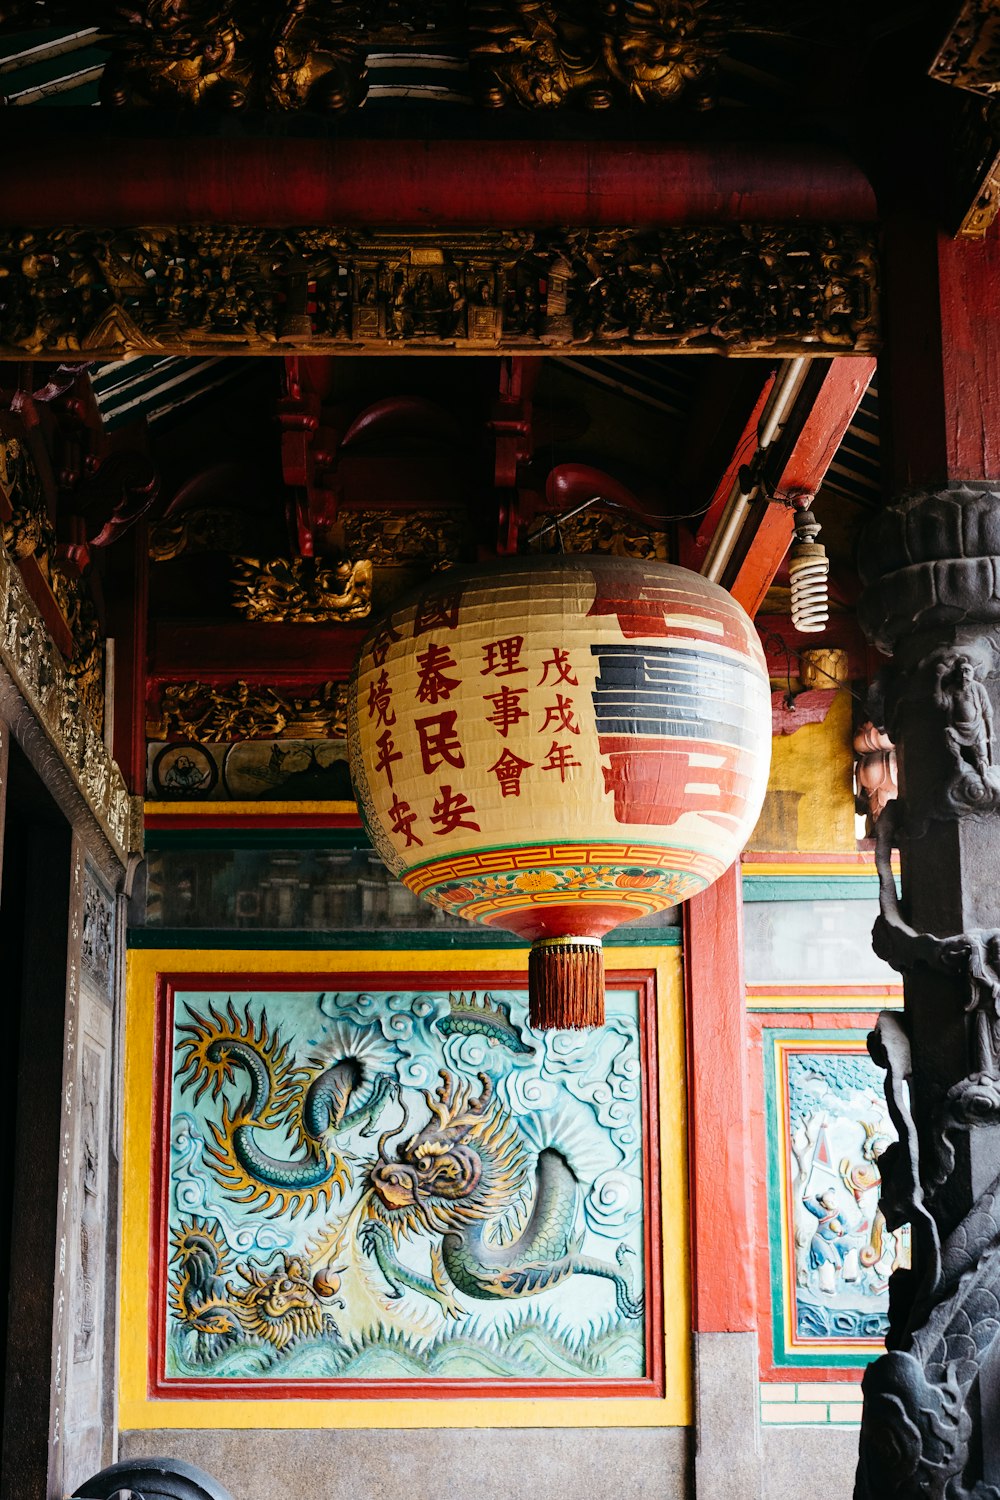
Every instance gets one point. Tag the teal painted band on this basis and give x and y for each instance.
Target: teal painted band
(309, 942)
(162, 840)
(796, 888)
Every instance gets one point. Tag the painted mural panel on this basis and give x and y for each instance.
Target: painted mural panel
(831, 1250)
(404, 1186)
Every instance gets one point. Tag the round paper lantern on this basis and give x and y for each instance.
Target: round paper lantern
(555, 745)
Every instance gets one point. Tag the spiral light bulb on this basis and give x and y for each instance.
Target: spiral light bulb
(809, 568)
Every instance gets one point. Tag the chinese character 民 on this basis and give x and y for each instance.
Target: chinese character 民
(559, 661)
(387, 753)
(437, 612)
(507, 708)
(502, 657)
(439, 740)
(508, 770)
(432, 665)
(560, 758)
(379, 699)
(403, 820)
(560, 713)
(380, 646)
(450, 811)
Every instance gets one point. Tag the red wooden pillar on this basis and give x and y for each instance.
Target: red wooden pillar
(724, 1298)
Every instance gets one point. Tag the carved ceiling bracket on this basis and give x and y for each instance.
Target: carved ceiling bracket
(40, 679)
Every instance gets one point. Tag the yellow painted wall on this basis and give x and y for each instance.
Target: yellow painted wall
(809, 806)
(137, 1410)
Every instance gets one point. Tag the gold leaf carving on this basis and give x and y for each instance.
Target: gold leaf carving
(302, 591)
(198, 712)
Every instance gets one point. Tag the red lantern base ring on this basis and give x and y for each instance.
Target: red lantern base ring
(566, 983)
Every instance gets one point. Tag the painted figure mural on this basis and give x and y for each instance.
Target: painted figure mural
(837, 1252)
(381, 1186)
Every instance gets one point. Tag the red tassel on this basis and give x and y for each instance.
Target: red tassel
(565, 984)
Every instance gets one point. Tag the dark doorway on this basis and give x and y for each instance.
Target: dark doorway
(34, 913)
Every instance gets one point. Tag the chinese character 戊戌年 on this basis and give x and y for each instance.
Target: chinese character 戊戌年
(559, 662)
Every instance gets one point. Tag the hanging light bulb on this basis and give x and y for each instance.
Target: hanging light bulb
(809, 568)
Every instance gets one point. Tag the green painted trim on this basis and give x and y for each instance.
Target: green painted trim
(161, 840)
(284, 942)
(802, 888)
(792, 1359)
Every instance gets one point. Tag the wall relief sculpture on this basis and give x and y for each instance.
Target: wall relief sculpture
(216, 289)
(401, 1186)
(198, 712)
(835, 1251)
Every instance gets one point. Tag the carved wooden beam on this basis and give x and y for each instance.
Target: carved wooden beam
(214, 289)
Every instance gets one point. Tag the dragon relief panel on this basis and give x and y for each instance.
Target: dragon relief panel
(402, 1185)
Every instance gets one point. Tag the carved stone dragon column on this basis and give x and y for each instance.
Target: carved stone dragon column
(931, 1424)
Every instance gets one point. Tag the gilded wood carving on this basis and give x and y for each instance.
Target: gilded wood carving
(738, 289)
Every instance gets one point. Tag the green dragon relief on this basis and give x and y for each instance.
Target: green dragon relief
(463, 1176)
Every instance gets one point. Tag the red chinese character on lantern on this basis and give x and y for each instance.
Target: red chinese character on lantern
(507, 708)
(379, 699)
(508, 770)
(451, 810)
(387, 753)
(560, 758)
(437, 612)
(559, 661)
(502, 657)
(432, 665)
(439, 741)
(560, 713)
(403, 820)
(380, 646)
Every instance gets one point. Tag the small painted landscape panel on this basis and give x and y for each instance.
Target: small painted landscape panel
(397, 1187)
(831, 1250)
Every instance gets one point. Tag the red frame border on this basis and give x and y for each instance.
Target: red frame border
(159, 1386)
(757, 1023)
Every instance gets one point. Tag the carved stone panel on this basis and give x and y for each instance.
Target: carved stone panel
(97, 945)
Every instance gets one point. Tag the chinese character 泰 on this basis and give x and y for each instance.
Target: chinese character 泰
(559, 660)
(508, 770)
(560, 713)
(450, 811)
(439, 740)
(502, 657)
(432, 665)
(507, 708)
(559, 759)
(379, 699)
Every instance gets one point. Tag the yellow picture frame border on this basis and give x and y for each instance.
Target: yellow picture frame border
(137, 1410)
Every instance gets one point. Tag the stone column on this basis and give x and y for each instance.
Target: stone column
(931, 1424)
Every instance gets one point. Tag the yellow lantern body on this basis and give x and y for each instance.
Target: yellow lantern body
(556, 745)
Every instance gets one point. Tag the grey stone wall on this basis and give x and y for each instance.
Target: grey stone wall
(422, 1464)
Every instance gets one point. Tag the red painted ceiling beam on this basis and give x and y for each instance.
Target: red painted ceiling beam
(282, 655)
(816, 424)
(425, 184)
